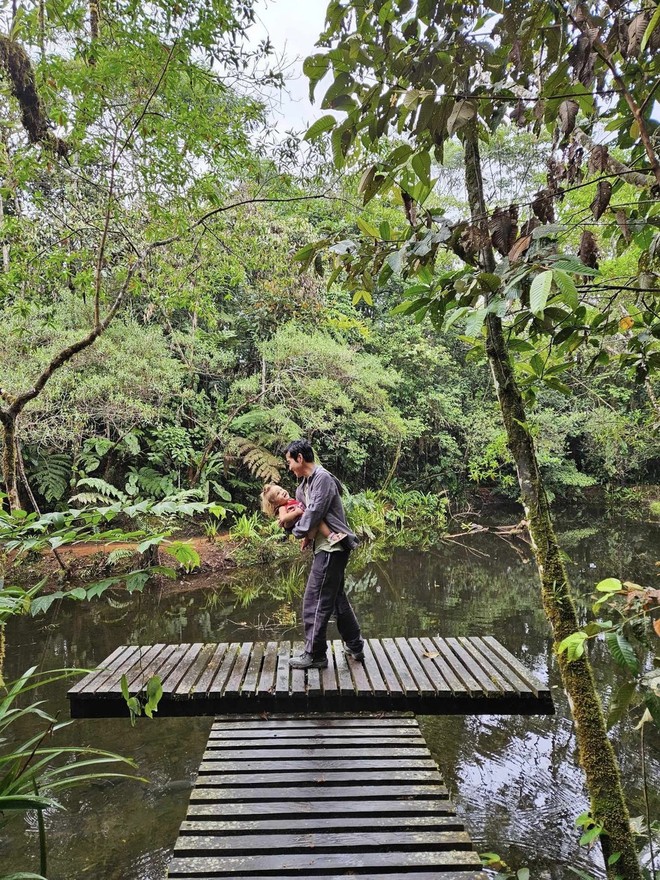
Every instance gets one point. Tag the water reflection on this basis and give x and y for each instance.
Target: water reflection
(515, 780)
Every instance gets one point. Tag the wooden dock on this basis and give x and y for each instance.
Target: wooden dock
(321, 797)
(425, 675)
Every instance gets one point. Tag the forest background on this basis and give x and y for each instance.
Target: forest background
(159, 342)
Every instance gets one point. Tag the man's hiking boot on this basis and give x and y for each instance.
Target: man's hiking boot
(308, 661)
(356, 655)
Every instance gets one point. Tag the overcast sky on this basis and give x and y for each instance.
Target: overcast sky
(294, 27)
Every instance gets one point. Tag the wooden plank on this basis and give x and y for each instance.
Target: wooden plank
(313, 687)
(223, 866)
(329, 841)
(343, 672)
(267, 679)
(233, 686)
(506, 679)
(141, 671)
(109, 664)
(509, 661)
(329, 678)
(455, 684)
(205, 679)
(412, 874)
(312, 777)
(249, 686)
(423, 648)
(283, 669)
(324, 722)
(361, 684)
(395, 807)
(487, 685)
(423, 682)
(297, 675)
(399, 665)
(389, 676)
(223, 672)
(133, 656)
(302, 735)
(165, 667)
(376, 683)
(171, 683)
(388, 792)
(187, 683)
(322, 764)
(458, 669)
(315, 752)
(318, 823)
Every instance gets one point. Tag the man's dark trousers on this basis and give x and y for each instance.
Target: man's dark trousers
(324, 595)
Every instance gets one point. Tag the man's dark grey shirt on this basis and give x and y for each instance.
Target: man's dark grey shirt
(320, 493)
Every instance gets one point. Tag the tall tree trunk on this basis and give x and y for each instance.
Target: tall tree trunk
(597, 756)
(9, 468)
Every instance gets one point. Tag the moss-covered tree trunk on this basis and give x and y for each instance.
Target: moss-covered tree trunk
(9, 468)
(603, 780)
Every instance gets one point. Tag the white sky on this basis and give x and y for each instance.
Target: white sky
(294, 27)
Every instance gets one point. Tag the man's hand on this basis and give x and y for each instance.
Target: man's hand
(306, 543)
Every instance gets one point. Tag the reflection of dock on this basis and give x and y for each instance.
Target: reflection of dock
(311, 792)
(325, 797)
(428, 676)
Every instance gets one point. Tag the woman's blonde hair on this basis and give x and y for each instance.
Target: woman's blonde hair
(267, 506)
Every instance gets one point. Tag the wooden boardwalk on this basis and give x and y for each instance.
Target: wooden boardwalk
(322, 797)
(426, 675)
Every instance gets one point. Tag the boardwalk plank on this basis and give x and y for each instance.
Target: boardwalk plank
(424, 651)
(396, 808)
(325, 841)
(507, 660)
(249, 685)
(487, 685)
(307, 765)
(452, 662)
(387, 792)
(221, 677)
(319, 778)
(142, 670)
(283, 669)
(186, 663)
(233, 686)
(318, 823)
(423, 683)
(227, 865)
(506, 679)
(389, 676)
(376, 683)
(343, 672)
(313, 752)
(113, 661)
(269, 670)
(204, 681)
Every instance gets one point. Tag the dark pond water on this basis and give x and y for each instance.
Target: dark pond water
(514, 780)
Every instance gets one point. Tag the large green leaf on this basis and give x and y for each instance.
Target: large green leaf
(539, 292)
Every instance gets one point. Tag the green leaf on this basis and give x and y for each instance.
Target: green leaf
(124, 688)
(622, 651)
(325, 123)
(184, 553)
(368, 228)
(620, 702)
(421, 163)
(573, 645)
(567, 288)
(539, 292)
(522, 874)
(652, 25)
(609, 585)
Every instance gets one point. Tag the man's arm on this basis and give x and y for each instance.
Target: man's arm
(322, 491)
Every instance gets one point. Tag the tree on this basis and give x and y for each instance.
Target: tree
(429, 70)
(113, 140)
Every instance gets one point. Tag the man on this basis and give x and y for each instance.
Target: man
(319, 491)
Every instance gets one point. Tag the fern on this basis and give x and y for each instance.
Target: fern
(259, 461)
(152, 483)
(102, 492)
(52, 474)
(119, 554)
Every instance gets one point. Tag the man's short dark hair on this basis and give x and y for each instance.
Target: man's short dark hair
(300, 447)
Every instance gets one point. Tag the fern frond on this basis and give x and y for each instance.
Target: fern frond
(119, 554)
(259, 461)
(103, 490)
(52, 474)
